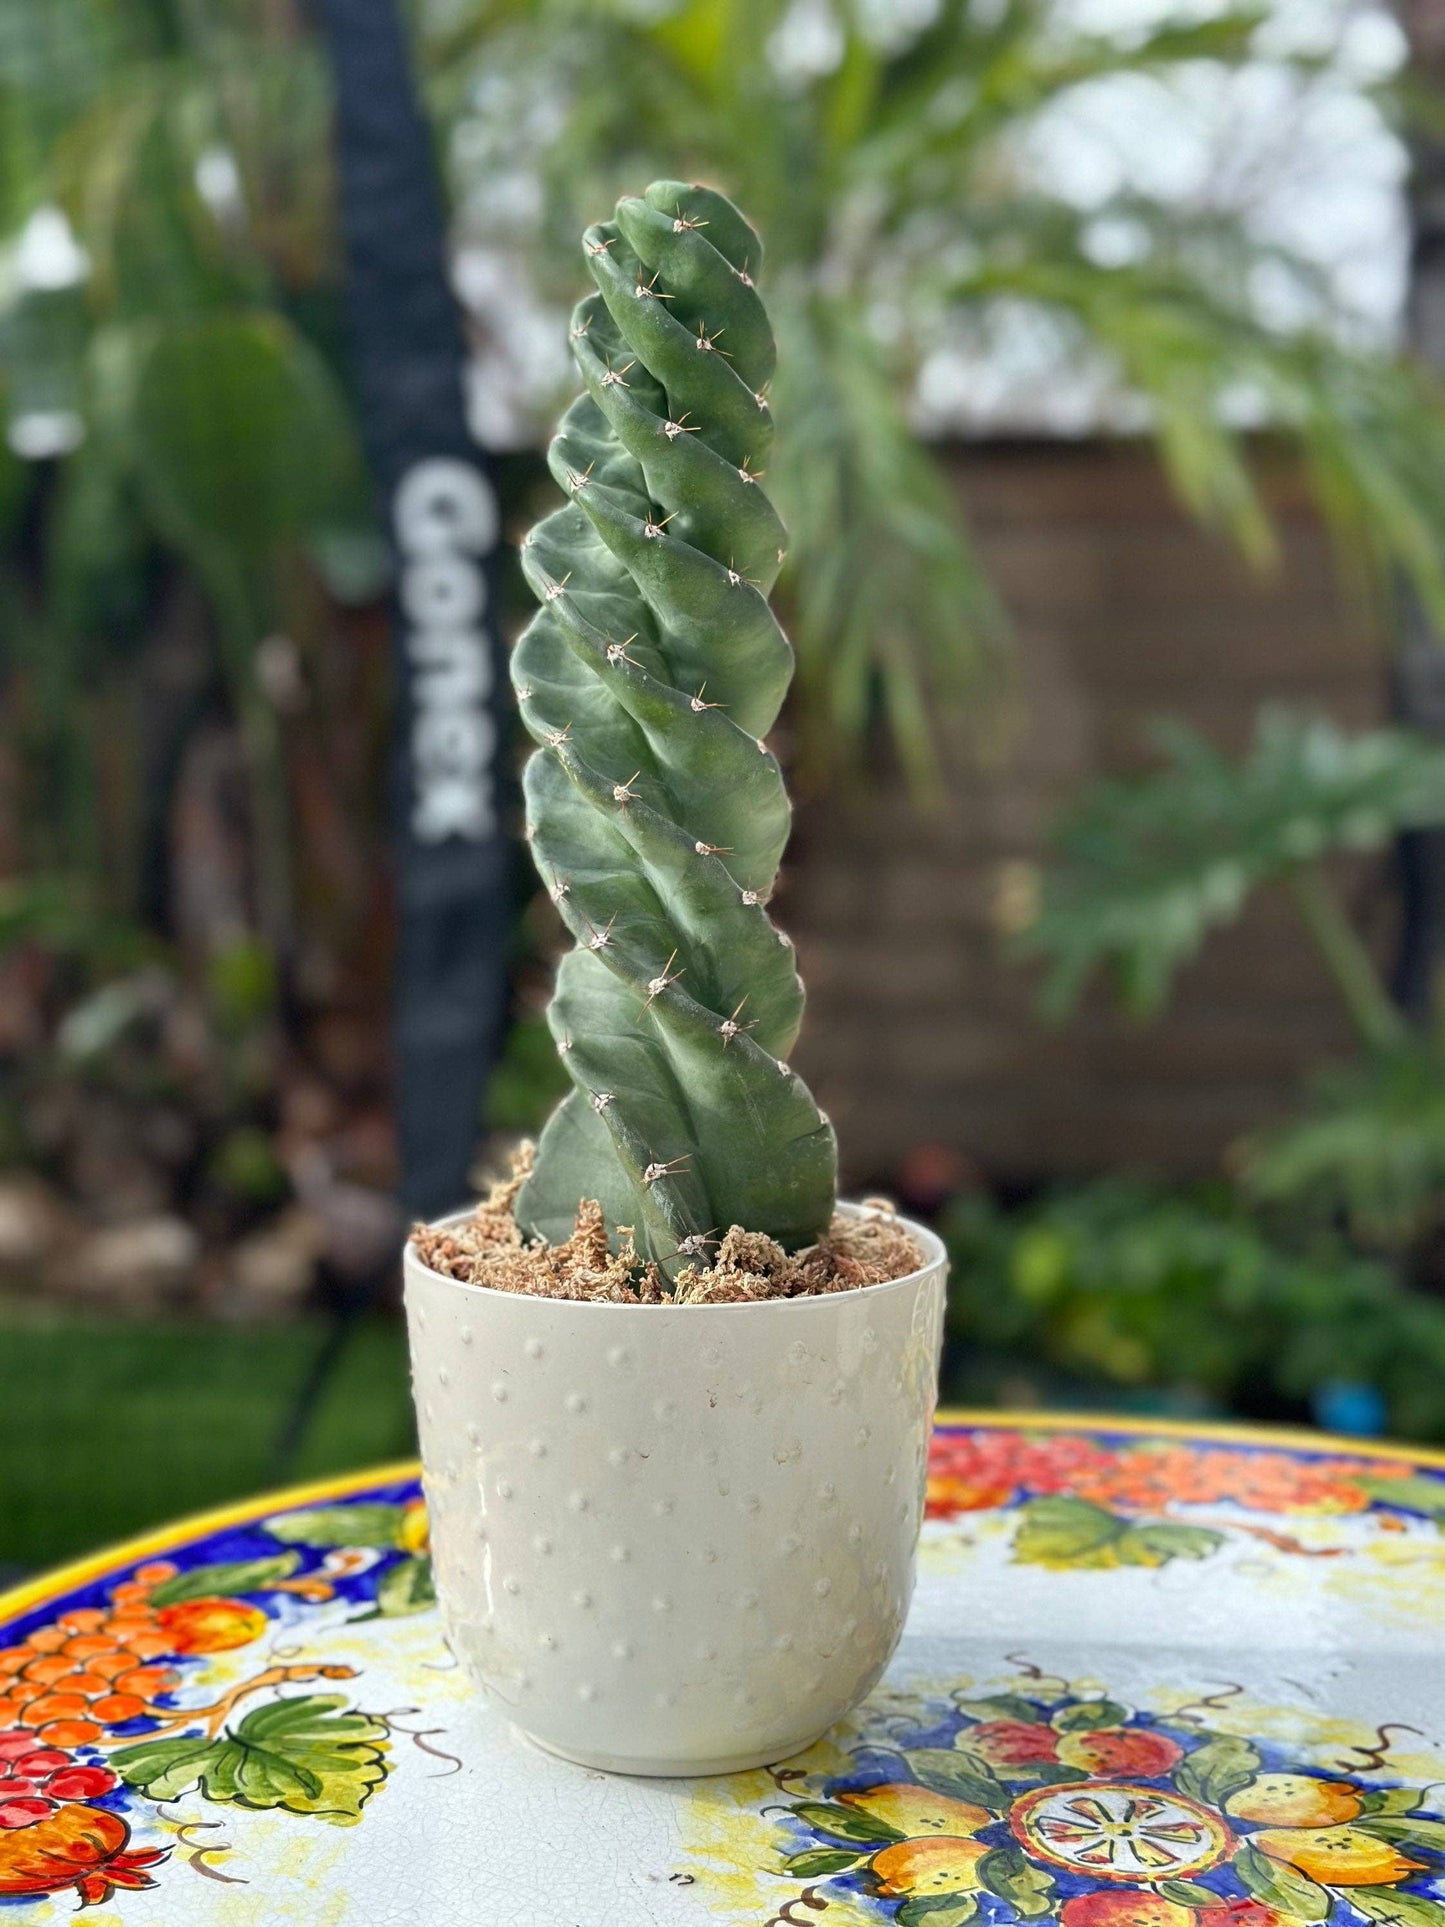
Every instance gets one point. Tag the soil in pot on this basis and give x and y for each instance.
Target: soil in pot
(490, 1249)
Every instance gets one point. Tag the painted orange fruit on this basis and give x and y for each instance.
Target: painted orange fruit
(1243, 1911)
(1124, 1908)
(1119, 1832)
(1012, 1742)
(114, 1709)
(210, 1625)
(69, 1733)
(46, 1669)
(929, 1867)
(54, 1706)
(947, 1495)
(73, 1846)
(915, 1810)
(1294, 1800)
(1337, 1856)
(1119, 1751)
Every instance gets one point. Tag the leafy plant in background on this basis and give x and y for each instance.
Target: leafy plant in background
(1147, 866)
(880, 151)
(1124, 1287)
(167, 337)
(188, 150)
(192, 724)
(1271, 1283)
(1369, 1144)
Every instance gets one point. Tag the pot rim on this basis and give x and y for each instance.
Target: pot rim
(936, 1256)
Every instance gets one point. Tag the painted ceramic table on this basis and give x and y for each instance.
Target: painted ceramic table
(1150, 1674)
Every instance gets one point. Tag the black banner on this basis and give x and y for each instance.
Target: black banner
(453, 860)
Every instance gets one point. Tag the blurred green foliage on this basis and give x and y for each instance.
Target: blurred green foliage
(1318, 1260)
(109, 1426)
(1145, 867)
(177, 409)
(1368, 1148)
(170, 363)
(881, 153)
(190, 354)
(1124, 1284)
(528, 1080)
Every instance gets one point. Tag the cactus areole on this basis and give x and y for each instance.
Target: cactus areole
(649, 678)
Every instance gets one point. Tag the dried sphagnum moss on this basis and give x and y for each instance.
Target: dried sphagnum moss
(489, 1249)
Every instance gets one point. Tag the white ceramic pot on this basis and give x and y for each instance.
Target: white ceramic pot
(675, 1540)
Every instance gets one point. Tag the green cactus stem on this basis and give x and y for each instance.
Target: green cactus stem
(657, 815)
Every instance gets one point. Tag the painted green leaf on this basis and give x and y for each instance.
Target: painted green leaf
(1393, 1799)
(843, 1823)
(1028, 1889)
(1391, 1908)
(1217, 1769)
(1189, 1893)
(1084, 1715)
(233, 1576)
(1417, 1494)
(1059, 1531)
(1281, 1886)
(340, 1525)
(407, 1588)
(818, 1862)
(1046, 1772)
(937, 1910)
(962, 1775)
(309, 1755)
(165, 1769)
(1157, 1543)
(1405, 1830)
(1000, 1706)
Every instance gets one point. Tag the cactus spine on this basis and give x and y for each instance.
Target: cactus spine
(657, 816)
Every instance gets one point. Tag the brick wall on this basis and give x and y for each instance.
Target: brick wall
(918, 1030)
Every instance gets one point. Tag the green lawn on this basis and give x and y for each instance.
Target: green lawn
(107, 1427)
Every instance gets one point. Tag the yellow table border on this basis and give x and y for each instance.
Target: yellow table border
(59, 1580)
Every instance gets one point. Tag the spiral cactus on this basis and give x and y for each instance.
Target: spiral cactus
(657, 815)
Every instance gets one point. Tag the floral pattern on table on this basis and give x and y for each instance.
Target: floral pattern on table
(234, 1667)
(108, 1707)
(1044, 1802)
(1097, 1500)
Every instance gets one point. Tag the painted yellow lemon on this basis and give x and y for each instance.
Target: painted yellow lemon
(1294, 1800)
(931, 1867)
(914, 1810)
(412, 1533)
(1336, 1856)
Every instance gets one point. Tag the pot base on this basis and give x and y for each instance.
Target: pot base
(653, 1769)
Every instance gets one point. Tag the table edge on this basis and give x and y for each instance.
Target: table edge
(59, 1580)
